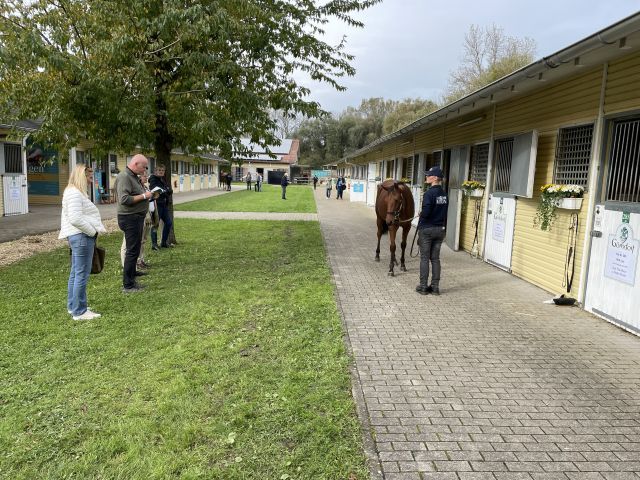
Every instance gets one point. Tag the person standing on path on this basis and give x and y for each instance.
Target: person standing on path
(329, 187)
(248, 179)
(80, 224)
(315, 181)
(228, 181)
(431, 231)
(133, 206)
(163, 202)
(284, 183)
(259, 183)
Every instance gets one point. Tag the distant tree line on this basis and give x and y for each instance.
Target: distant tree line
(488, 54)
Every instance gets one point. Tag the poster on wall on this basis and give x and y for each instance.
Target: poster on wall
(622, 255)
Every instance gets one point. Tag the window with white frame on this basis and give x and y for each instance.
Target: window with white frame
(504, 154)
(623, 179)
(12, 158)
(479, 161)
(573, 154)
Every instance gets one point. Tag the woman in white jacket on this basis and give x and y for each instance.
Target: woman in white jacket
(80, 224)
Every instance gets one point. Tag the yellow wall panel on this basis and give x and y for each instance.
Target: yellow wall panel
(623, 77)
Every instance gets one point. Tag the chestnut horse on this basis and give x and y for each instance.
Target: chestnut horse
(394, 209)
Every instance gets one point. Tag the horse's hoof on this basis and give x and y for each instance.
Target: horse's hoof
(403, 268)
(377, 259)
(390, 274)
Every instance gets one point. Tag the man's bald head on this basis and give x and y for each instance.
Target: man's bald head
(138, 164)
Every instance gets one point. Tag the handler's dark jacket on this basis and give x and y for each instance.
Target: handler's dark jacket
(284, 182)
(434, 208)
(165, 196)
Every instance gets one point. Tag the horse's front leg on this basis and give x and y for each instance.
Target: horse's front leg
(379, 235)
(392, 248)
(403, 246)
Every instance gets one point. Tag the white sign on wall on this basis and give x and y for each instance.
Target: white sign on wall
(622, 255)
(14, 193)
(499, 228)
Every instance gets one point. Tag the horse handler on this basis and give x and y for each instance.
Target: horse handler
(431, 231)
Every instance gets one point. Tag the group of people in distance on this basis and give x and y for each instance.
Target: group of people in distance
(143, 201)
(258, 181)
(341, 185)
(225, 180)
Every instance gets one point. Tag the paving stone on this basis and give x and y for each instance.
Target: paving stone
(485, 374)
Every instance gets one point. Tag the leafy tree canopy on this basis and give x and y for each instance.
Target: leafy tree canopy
(166, 73)
(488, 54)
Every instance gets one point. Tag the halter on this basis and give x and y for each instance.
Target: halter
(396, 213)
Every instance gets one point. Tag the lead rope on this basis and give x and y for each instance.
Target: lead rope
(476, 222)
(570, 261)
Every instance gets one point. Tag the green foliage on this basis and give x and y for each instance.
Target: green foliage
(489, 54)
(328, 139)
(230, 365)
(299, 199)
(165, 74)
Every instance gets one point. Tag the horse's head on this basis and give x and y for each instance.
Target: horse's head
(394, 202)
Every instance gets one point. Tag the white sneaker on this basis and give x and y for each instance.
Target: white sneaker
(88, 315)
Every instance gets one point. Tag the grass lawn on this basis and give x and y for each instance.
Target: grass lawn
(299, 199)
(229, 366)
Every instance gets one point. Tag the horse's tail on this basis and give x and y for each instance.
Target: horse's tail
(385, 228)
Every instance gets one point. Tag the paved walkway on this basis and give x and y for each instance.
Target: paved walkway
(485, 381)
(46, 218)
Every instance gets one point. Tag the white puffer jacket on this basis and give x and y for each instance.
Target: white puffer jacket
(79, 215)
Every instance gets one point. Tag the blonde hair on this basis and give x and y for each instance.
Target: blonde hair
(78, 179)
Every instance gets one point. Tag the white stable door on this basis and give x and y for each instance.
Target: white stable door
(501, 215)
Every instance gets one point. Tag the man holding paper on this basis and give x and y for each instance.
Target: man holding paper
(133, 206)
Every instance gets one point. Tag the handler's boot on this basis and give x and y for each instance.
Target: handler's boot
(422, 290)
(433, 289)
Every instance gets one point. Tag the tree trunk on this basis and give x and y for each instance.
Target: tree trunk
(163, 143)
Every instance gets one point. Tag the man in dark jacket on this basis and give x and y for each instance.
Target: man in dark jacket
(284, 183)
(431, 231)
(163, 202)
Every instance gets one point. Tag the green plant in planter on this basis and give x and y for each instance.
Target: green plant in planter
(551, 195)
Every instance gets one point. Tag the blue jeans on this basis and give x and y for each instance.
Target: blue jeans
(430, 240)
(81, 256)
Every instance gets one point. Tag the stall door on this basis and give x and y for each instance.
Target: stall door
(613, 282)
(614, 277)
(14, 181)
(501, 216)
(372, 186)
(458, 168)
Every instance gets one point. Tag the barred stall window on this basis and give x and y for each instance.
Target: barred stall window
(573, 153)
(479, 162)
(623, 184)
(504, 153)
(12, 158)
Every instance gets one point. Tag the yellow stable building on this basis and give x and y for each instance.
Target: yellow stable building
(570, 118)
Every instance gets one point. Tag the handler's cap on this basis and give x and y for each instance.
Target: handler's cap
(434, 172)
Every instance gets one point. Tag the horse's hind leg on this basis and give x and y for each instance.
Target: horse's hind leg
(403, 246)
(379, 222)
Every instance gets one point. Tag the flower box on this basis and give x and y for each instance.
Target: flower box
(475, 193)
(569, 203)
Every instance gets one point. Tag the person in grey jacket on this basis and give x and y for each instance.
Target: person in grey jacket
(133, 206)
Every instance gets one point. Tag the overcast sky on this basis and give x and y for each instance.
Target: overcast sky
(408, 47)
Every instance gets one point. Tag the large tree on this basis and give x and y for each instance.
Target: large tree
(488, 54)
(164, 74)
